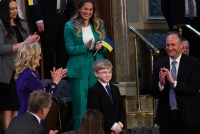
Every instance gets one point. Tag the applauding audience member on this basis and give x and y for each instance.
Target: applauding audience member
(27, 77)
(83, 35)
(14, 32)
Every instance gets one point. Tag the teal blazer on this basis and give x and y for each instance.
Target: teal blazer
(77, 50)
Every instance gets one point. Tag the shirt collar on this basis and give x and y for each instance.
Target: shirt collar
(177, 60)
(38, 118)
(104, 84)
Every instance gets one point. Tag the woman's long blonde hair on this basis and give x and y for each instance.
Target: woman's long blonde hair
(96, 21)
(26, 54)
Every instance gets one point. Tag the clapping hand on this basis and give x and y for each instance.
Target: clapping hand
(53, 131)
(32, 38)
(164, 72)
(98, 45)
(89, 44)
(58, 74)
(162, 75)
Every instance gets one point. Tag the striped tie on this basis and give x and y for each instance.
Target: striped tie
(63, 5)
(191, 8)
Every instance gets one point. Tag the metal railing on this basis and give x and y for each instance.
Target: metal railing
(153, 50)
(147, 43)
(180, 26)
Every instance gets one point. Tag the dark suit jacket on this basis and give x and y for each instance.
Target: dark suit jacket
(46, 11)
(25, 124)
(174, 11)
(187, 91)
(98, 99)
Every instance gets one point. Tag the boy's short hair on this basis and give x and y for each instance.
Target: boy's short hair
(102, 64)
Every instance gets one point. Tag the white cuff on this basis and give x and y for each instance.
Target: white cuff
(39, 21)
(114, 126)
(121, 124)
(175, 84)
(160, 87)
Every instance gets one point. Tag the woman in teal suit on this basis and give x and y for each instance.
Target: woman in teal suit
(83, 35)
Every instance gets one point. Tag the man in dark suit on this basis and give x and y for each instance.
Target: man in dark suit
(106, 97)
(178, 12)
(47, 17)
(178, 89)
(38, 107)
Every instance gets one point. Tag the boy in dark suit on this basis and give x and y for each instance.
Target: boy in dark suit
(106, 97)
(39, 104)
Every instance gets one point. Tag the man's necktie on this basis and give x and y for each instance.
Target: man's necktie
(172, 98)
(191, 8)
(63, 5)
(109, 92)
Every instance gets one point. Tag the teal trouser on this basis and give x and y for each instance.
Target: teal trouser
(79, 92)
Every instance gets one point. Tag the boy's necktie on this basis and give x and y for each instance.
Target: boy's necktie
(109, 92)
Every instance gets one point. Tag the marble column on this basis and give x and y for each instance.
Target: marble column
(124, 49)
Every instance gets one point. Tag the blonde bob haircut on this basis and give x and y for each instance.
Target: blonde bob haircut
(26, 54)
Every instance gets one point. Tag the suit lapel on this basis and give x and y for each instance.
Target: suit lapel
(166, 64)
(104, 92)
(183, 66)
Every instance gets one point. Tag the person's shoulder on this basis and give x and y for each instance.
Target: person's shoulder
(95, 86)
(26, 73)
(1, 22)
(69, 23)
(114, 87)
(161, 61)
(111, 84)
(190, 59)
(23, 21)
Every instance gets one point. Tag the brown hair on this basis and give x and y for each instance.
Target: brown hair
(92, 122)
(95, 20)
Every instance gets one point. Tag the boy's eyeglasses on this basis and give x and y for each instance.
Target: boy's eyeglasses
(105, 72)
